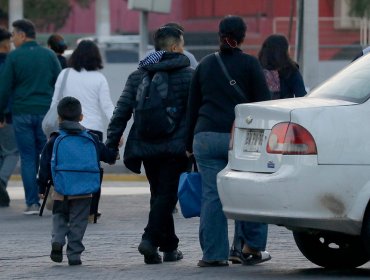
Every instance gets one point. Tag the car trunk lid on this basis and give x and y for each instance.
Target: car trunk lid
(253, 125)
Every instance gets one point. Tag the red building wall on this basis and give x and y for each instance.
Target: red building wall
(203, 16)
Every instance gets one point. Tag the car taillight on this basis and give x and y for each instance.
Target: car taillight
(291, 139)
(231, 143)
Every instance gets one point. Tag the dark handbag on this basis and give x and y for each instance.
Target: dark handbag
(190, 192)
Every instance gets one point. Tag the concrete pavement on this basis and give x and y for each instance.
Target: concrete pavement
(111, 245)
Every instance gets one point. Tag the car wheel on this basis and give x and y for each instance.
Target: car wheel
(331, 250)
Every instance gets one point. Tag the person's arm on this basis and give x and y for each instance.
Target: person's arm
(296, 85)
(105, 101)
(44, 174)
(56, 95)
(6, 85)
(123, 111)
(194, 103)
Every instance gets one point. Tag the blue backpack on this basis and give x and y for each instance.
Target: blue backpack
(75, 165)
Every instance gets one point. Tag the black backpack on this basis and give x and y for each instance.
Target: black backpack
(154, 115)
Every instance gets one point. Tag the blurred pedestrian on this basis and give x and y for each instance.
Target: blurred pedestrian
(85, 82)
(210, 117)
(58, 45)
(27, 79)
(281, 72)
(164, 73)
(8, 148)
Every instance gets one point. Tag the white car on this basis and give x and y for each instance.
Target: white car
(304, 163)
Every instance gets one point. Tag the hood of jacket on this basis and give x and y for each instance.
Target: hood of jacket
(169, 61)
(71, 127)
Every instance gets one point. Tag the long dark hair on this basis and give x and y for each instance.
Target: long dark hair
(274, 55)
(86, 56)
(231, 32)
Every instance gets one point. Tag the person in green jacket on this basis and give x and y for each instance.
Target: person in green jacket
(27, 79)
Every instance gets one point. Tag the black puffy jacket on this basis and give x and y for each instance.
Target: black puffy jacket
(137, 148)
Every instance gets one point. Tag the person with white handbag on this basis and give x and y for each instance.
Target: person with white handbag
(83, 80)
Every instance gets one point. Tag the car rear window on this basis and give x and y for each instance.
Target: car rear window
(351, 84)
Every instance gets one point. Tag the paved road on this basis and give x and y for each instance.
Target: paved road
(111, 246)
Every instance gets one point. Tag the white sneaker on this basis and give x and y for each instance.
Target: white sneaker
(34, 209)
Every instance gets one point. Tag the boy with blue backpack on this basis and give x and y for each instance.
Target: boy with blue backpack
(71, 161)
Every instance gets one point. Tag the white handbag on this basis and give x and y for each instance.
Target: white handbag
(50, 122)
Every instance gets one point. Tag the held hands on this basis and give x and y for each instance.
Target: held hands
(2, 124)
(41, 196)
(189, 154)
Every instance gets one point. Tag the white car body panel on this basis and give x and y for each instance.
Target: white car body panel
(301, 191)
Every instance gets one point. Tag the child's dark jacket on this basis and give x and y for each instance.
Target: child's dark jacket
(105, 154)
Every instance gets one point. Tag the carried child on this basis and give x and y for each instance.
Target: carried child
(71, 161)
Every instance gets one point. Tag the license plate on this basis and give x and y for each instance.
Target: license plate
(253, 140)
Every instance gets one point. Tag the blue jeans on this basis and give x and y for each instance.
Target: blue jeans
(252, 234)
(210, 151)
(30, 140)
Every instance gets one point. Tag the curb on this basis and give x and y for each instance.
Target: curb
(107, 177)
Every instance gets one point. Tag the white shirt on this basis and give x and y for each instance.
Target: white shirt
(92, 90)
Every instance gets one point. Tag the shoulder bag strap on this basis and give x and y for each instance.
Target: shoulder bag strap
(63, 85)
(232, 82)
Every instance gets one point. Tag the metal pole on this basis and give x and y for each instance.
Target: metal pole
(15, 11)
(311, 43)
(102, 23)
(143, 34)
(299, 33)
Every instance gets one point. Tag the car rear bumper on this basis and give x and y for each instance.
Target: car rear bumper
(293, 197)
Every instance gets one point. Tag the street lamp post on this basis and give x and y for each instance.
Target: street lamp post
(102, 12)
(15, 11)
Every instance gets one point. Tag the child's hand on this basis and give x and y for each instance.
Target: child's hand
(41, 196)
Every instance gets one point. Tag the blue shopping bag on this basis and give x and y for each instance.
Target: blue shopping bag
(190, 193)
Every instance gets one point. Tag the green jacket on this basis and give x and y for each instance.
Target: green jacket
(28, 78)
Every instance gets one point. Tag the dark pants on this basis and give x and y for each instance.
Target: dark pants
(163, 176)
(70, 218)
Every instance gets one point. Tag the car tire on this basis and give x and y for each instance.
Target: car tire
(331, 250)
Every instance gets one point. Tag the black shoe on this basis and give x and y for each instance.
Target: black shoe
(202, 263)
(173, 256)
(56, 254)
(146, 248)
(4, 196)
(150, 252)
(153, 259)
(235, 256)
(74, 262)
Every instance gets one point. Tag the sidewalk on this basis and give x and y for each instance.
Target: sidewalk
(111, 244)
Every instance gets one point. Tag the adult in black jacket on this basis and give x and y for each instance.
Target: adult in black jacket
(209, 119)
(164, 158)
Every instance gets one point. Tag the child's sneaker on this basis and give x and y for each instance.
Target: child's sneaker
(33, 209)
(56, 254)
